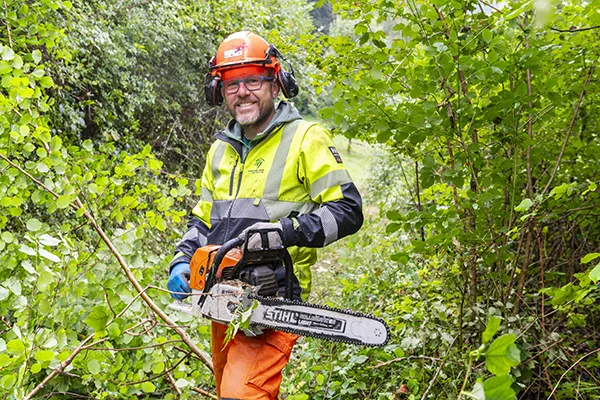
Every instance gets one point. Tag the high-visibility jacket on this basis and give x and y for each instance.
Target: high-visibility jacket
(291, 173)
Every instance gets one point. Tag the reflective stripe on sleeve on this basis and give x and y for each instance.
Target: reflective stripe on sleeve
(329, 223)
(334, 178)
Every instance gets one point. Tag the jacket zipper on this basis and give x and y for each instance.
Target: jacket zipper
(232, 178)
(237, 191)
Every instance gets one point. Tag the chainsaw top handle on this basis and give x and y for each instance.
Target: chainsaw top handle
(224, 249)
(254, 255)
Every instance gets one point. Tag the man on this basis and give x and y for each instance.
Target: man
(267, 168)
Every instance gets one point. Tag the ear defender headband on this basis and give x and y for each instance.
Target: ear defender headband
(213, 83)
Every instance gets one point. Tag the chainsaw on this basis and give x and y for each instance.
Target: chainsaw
(227, 278)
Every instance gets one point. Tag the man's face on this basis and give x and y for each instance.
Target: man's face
(252, 108)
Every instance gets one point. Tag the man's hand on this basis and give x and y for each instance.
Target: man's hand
(179, 281)
(274, 238)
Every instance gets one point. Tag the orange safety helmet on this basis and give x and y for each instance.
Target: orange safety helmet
(243, 49)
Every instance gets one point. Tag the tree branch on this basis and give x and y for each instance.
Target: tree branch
(63, 365)
(126, 270)
(573, 29)
(571, 125)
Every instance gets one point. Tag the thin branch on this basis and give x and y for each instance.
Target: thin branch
(61, 366)
(151, 378)
(150, 346)
(571, 125)
(570, 368)
(7, 24)
(126, 270)
(172, 382)
(205, 393)
(383, 364)
(573, 29)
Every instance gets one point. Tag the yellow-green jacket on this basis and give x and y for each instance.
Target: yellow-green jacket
(291, 173)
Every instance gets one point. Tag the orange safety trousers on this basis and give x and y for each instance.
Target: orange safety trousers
(249, 368)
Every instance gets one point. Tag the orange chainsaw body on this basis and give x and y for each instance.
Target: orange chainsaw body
(202, 263)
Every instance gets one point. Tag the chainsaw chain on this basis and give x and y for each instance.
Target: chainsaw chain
(274, 301)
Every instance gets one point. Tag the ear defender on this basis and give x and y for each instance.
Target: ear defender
(212, 90)
(247, 49)
(287, 80)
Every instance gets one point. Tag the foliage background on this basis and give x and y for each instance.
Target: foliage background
(481, 244)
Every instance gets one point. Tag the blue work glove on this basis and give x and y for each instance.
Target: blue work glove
(179, 280)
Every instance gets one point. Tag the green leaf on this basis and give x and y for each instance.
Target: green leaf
(8, 381)
(34, 225)
(15, 347)
(63, 201)
(158, 367)
(48, 240)
(589, 257)
(499, 388)
(97, 318)
(595, 273)
(491, 328)
(524, 206)
(35, 368)
(44, 355)
(37, 56)
(45, 279)
(502, 355)
(361, 359)
(8, 54)
(94, 367)
(148, 387)
(7, 237)
(181, 383)
(487, 35)
(154, 164)
(518, 11)
(88, 145)
(46, 82)
(320, 379)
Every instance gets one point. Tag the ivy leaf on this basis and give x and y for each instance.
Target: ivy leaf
(502, 355)
(491, 328)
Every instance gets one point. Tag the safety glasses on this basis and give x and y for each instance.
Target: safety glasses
(251, 83)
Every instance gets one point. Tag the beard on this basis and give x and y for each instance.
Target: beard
(248, 112)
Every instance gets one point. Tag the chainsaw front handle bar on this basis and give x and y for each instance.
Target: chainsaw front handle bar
(239, 241)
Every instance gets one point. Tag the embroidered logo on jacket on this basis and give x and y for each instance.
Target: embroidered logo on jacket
(256, 167)
(336, 155)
